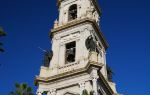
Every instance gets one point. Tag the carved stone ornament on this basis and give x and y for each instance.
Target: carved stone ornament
(90, 44)
(47, 58)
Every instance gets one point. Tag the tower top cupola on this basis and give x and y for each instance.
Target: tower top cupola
(71, 10)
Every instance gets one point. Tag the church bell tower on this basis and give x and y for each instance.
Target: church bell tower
(78, 60)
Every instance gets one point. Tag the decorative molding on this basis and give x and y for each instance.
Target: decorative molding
(39, 92)
(82, 87)
(51, 92)
(69, 73)
(82, 84)
(79, 22)
(70, 93)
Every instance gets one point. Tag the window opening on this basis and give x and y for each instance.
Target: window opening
(70, 52)
(72, 12)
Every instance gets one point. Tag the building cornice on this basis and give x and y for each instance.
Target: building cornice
(67, 74)
(76, 72)
(78, 22)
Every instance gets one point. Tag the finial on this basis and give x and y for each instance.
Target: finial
(55, 23)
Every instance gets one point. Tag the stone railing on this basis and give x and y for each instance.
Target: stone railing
(47, 72)
(70, 67)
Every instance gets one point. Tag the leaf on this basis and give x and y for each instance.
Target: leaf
(24, 86)
(17, 85)
(2, 33)
(29, 89)
(91, 92)
(22, 89)
(11, 93)
(1, 50)
(85, 92)
(1, 44)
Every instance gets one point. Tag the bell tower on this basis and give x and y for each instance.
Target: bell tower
(77, 9)
(78, 61)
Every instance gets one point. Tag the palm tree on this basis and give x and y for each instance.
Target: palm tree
(22, 89)
(2, 33)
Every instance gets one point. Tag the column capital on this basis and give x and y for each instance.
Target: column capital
(94, 74)
(94, 78)
(39, 92)
(82, 84)
(51, 92)
(82, 87)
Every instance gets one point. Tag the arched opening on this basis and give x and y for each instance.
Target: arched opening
(72, 12)
(70, 52)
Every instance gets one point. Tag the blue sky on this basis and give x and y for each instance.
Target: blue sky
(125, 24)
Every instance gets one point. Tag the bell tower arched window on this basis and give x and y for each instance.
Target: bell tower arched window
(70, 52)
(72, 12)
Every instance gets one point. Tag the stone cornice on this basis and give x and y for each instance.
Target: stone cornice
(101, 77)
(76, 72)
(78, 22)
(70, 73)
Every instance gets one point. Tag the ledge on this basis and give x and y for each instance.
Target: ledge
(87, 68)
(78, 22)
(67, 74)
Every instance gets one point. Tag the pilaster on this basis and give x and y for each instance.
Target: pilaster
(94, 77)
(61, 55)
(82, 87)
(94, 81)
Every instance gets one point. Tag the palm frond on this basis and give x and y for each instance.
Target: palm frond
(85, 92)
(1, 49)
(22, 89)
(2, 33)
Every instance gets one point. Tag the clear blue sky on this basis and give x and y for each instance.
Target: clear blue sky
(125, 24)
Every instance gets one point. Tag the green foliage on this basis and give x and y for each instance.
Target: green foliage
(45, 92)
(109, 73)
(2, 33)
(85, 92)
(22, 89)
(91, 92)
